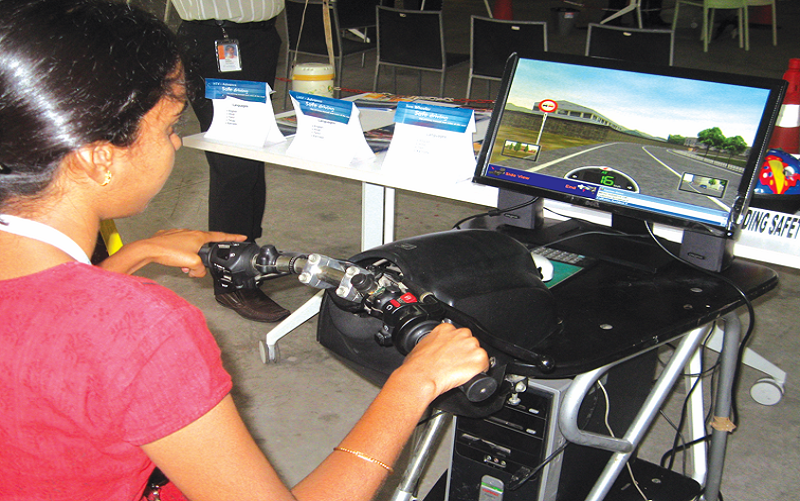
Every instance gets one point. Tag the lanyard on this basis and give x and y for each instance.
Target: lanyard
(43, 233)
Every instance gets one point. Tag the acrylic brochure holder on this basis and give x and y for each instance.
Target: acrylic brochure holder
(242, 113)
(328, 130)
(436, 139)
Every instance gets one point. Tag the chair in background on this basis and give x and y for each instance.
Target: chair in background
(773, 15)
(304, 22)
(709, 6)
(357, 17)
(413, 39)
(356, 14)
(630, 44)
(493, 40)
(634, 6)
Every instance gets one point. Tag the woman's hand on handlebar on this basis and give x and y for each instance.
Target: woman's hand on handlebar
(447, 358)
(177, 247)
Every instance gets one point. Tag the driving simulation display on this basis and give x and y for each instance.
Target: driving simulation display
(661, 143)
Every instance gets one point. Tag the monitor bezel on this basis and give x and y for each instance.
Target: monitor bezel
(776, 88)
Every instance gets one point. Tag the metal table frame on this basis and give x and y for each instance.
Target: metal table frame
(708, 462)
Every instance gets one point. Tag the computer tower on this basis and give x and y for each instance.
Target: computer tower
(491, 456)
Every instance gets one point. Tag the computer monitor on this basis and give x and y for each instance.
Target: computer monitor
(648, 144)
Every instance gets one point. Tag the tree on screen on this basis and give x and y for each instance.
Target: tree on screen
(712, 138)
(734, 146)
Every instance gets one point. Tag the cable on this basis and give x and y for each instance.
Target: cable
(611, 432)
(516, 482)
(704, 438)
(595, 232)
(610, 232)
(748, 333)
(495, 212)
(675, 449)
(685, 407)
(683, 445)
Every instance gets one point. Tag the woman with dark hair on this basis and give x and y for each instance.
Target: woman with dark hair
(103, 375)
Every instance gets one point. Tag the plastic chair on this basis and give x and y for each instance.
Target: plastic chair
(762, 3)
(630, 44)
(304, 22)
(709, 6)
(633, 6)
(413, 39)
(493, 40)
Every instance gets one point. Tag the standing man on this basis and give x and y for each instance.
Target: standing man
(232, 40)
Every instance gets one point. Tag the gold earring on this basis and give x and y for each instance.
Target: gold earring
(107, 179)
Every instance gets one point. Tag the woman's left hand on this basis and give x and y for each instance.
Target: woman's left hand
(178, 248)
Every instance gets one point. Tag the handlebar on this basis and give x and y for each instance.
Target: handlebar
(406, 318)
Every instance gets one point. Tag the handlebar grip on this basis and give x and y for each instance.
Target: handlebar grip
(205, 254)
(479, 388)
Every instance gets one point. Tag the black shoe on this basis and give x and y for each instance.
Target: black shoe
(253, 304)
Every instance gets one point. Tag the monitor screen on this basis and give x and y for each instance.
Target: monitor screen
(661, 144)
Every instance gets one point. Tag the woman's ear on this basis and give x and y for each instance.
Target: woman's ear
(96, 161)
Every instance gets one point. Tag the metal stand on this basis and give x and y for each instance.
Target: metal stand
(709, 475)
(407, 490)
(624, 447)
(767, 390)
(722, 407)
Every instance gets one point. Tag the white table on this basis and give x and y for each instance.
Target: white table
(379, 185)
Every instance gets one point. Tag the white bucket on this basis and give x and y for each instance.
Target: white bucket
(313, 78)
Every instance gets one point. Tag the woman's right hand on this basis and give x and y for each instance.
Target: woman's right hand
(177, 248)
(444, 359)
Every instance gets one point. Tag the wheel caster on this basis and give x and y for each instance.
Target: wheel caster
(767, 391)
(266, 356)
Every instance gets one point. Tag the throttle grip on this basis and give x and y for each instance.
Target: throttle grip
(477, 389)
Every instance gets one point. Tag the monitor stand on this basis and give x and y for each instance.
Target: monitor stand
(634, 249)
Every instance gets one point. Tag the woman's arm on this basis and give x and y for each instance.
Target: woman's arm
(176, 248)
(215, 458)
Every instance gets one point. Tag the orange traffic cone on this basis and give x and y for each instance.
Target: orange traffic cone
(786, 135)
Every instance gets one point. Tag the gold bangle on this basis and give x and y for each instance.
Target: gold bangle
(363, 456)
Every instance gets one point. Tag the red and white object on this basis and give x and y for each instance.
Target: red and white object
(786, 135)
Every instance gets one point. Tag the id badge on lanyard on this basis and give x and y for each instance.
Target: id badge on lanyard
(229, 57)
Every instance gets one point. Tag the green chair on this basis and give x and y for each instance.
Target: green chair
(709, 6)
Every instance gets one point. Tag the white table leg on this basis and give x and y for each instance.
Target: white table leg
(388, 215)
(377, 215)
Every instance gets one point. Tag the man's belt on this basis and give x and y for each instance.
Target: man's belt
(259, 25)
